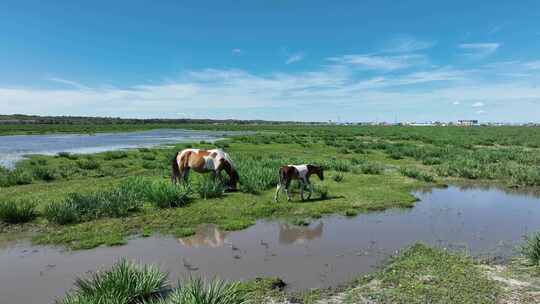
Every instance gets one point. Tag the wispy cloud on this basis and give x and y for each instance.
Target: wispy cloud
(478, 104)
(456, 103)
(495, 29)
(72, 83)
(236, 51)
(479, 50)
(385, 63)
(294, 58)
(407, 44)
(532, 65)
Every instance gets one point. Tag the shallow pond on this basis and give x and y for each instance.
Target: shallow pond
(330, 251)
(14, 147)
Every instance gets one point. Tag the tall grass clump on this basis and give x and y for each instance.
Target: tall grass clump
(338, 165)
(160, 193)
(88, 164)
(338, 177)
(44, 173)
(197, 291)
(321, 191)
(208, 187)
(17, 211)
(417, 174)
(19, 176)
(81, 207)
(113, 155)
(166, 195)
(61, 213)
(368, 168)
(531, 248)
(257, 175)
(67, 155)
(124, 283)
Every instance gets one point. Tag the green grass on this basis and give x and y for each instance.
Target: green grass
(417, 174)
(17, 211)
(125, 282)
(422, 274)
(208, 187)
(198, 291)
(129, 283)
(372, 179)
(531, 249)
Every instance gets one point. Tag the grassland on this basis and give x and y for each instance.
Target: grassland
(368, 168)
(83, 201)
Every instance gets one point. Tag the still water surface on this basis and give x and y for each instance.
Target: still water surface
(330, 251)
(14, 147)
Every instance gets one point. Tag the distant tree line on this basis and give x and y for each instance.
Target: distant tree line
(82, 120)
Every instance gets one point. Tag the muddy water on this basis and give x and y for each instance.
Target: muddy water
(330, 251)
(13, 148)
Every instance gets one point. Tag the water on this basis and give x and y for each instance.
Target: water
(13, 148)
(330, 251)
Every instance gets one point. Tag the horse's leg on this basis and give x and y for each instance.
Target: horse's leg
(185, 175)
(310, 190)
(287, 190)
(302, 185)
(278, 189)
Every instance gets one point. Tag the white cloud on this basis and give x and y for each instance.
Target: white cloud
(479, 50)
(67, 82)
(342, 88)
(478, 104)
(480, 112)
(407, 44)
(532, 65)
(236, 51)
(294, 58)
(385, 63)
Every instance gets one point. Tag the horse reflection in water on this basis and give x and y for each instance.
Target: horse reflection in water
(207, 236)
(290, 234)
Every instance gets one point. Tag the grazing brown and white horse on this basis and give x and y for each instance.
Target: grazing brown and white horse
(300, 173)
(204, 161)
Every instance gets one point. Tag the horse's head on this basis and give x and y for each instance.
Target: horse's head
(313, 169)
(234, 178)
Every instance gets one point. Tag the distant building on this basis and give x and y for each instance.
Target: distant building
(467, 122)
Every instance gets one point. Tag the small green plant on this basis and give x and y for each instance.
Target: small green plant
(67, 155)
(322, 191)
(125, 282)
(417, 174)
(149, 165)
(338, 177)
(351, 213)
(44, 173)
(369, 168)
(531, 248)
(88, 164)
(113, 155)
(19, 176)
(148, 156)
(17, 211)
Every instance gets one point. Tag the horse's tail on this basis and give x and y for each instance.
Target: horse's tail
(175, 170)
(281, 175)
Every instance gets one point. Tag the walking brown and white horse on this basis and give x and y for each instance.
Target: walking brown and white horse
(204, 161)
(300, 173)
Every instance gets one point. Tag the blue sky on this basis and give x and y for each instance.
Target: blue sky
(277, 60)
